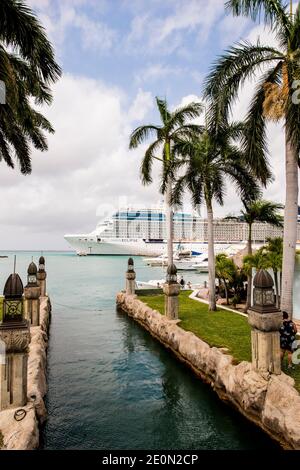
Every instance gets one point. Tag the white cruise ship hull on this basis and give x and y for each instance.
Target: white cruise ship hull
(137, 247)
(108, 246)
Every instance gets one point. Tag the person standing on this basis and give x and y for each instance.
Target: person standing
(182, 282)
(287, 332)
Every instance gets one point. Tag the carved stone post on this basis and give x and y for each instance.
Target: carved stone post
(130, 278)
(265, 320)
(32, 294)
(41, 276)
(171, 290)
(15, 336)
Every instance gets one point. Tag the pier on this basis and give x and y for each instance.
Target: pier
(24, 335)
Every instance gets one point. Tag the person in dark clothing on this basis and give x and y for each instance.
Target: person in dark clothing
(182, 282)
(287, 332)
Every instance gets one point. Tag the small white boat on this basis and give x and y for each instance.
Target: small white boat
(82, 253)
(152, 284)
(201, 264)
(161, 260)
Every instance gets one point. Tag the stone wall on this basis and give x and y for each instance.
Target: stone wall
(24, 435)
(268, 400)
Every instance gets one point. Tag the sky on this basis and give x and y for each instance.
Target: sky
(116, 56)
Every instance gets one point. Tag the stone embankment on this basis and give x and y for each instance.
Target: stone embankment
(24, 434)
(270, 401)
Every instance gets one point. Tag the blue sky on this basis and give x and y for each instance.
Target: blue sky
(116, 55)
(164, 47)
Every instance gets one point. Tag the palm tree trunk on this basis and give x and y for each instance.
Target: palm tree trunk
(276, 287)
(290, 227)
(249, 277)
(226, 291)
(169, 222)
(280, 286)
(169, 209)
(211, 257)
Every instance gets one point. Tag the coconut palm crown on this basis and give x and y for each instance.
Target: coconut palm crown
(276, 70)
(27, 69)
(174, 125)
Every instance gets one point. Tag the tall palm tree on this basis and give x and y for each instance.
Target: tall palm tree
(209, 160)
(276, 70)
(27, 68)
(259, 211)
(174, 125)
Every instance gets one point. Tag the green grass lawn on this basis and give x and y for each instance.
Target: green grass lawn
(221, 329)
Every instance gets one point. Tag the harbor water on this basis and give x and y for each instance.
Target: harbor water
(111, 385)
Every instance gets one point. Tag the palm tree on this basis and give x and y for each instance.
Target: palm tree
(173, 126)
(274, 99)
(274, 250)
(259, 211)
(209, 160)
(225, 271)
(27, 68)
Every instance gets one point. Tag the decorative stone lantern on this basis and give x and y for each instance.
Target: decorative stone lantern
(130, 278)
(15, 335)
(265, 320)
(171, 290)
(13, 299)
(32, 294)
(41, 276)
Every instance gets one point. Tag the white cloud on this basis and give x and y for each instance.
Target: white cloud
(154, 33)
(231, 29)
(157, 71)
(141, 105)
(59, 18)
(88, 164)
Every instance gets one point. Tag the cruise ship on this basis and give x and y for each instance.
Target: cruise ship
(143, 233)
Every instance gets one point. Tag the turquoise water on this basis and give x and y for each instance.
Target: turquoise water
(111, 385)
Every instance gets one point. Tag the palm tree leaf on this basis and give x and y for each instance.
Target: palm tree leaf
(273, 12)
(181, 115)
(142, 133)
(239, 63)
(165, 115)
(147, 162)
(255, 140)
(20, 28)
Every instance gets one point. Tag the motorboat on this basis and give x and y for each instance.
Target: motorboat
(152, 284)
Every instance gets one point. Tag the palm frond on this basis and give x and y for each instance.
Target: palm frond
(255, 139)
(273, 12)
(142, 133)
(20, 28)
(147, 162)
(162, 106)
(239, 63)
(181, 115)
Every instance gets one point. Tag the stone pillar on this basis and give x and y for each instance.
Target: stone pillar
(130, 278)
(41, 276)
(265, 320)
(14, 341)
(32, 294)
(171, 290)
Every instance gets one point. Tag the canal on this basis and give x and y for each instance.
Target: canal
(111, 385)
